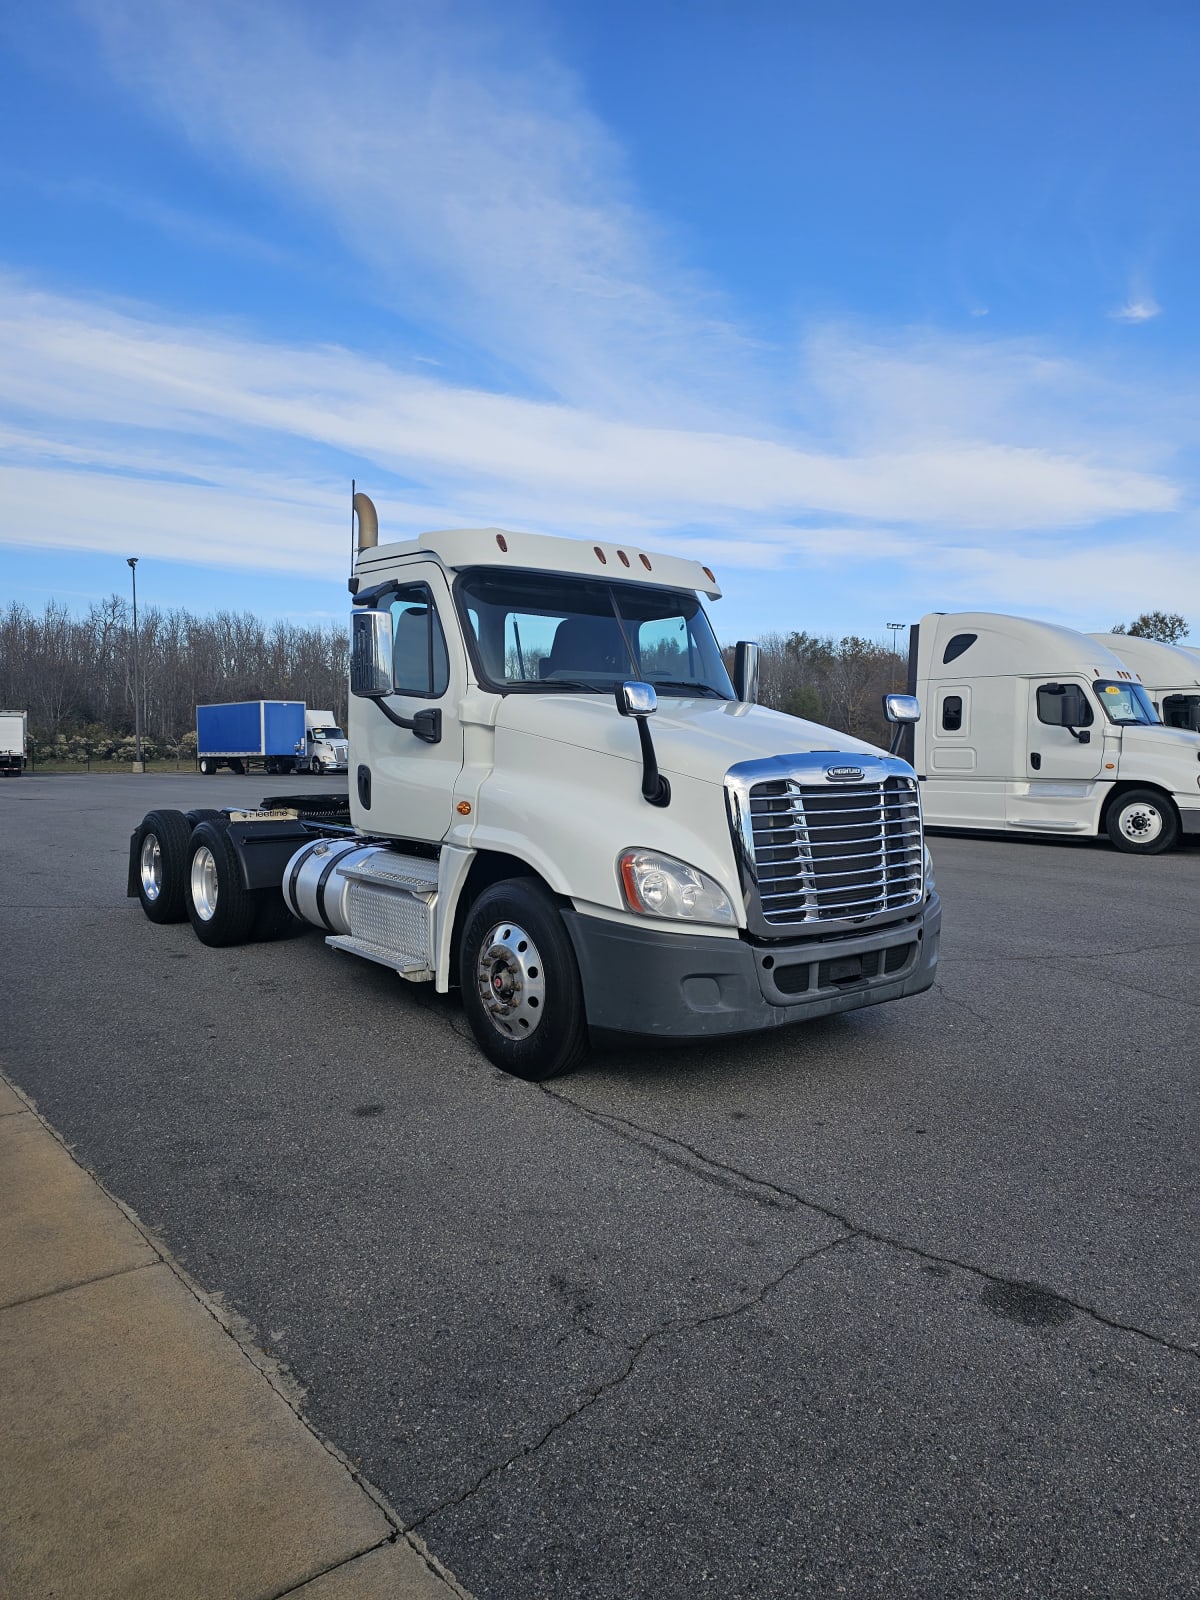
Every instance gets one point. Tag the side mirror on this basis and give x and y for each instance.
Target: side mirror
(745, 671)
(901, 708)
(1083, 736)
(636, 699)
(371, 654)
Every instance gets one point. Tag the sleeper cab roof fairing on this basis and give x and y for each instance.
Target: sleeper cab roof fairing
(456, 548)
(1164, 665)
(1007, 646)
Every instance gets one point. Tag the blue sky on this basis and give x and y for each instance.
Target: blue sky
(878, 309)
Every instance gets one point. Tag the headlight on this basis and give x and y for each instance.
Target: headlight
(660, 886)
(930, 880)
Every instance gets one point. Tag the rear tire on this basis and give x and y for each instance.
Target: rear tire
(1142, 822)
(161, 849)
(220, 908)
(520, 982)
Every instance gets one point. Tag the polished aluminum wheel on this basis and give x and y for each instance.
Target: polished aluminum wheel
(150, 867)
(204, 883)
(511, 983)
(1140, 822)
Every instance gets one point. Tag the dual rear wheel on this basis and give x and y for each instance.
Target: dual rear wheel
(188, 869)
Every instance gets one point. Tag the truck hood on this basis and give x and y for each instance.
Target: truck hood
(1171, 744)
(693, 738)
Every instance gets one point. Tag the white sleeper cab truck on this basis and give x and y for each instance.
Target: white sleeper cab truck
(326, 748)
(560, 803)
(1169, 675)
(1033, 728)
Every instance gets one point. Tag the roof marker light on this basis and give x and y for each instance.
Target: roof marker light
(645, 560)
(709, 574)
(502, 542)
(623, 558)
(603, 559)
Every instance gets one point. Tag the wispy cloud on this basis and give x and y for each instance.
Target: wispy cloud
(462, 167)
(1139, 307)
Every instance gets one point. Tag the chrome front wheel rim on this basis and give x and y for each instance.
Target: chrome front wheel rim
(511, 982)
(204, 883)
(150, 867)
(1141, 823)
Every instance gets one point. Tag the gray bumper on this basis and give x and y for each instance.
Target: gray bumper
(1189, 820)
(638, 980)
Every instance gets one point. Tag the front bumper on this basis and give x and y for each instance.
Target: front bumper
(1189, 819)
(639, 980)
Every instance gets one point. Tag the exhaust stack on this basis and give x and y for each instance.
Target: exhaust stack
(368, 522)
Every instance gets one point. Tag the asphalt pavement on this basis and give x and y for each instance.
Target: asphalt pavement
(899, 1304)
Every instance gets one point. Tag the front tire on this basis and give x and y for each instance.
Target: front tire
(161, 848)
(520, 982)
(208, 767)
(1142, 822)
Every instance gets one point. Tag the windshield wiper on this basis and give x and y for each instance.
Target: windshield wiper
(686, 683)
(572, 683)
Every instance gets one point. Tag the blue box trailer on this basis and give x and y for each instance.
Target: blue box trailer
(243, 733)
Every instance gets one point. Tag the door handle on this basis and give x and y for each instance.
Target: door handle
(1035, 760)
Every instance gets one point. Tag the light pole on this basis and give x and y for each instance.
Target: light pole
(139, 765)
(894, 628)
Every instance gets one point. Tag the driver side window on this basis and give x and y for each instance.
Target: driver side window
(1064, 705)
(420, 665)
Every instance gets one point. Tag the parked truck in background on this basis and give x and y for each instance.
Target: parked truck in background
(245, 733)
(1033, 728)
(326, 748)
(514, 826)
(14, 742)
(1170, 675)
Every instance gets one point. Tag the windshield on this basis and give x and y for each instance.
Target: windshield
(326, 733)
(541, 631)
(1125, 703)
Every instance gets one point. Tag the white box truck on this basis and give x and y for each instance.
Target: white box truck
(14, 742)
(515, 827)
(1033, 728)
(1169, 675)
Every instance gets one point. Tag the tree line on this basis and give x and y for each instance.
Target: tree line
(74, 674)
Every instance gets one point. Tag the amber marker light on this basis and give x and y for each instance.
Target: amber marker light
(502, 542)
(629, 883)
(463, 808)
(709, 574)
(600, 556)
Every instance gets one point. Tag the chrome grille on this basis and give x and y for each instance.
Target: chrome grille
(835, 853)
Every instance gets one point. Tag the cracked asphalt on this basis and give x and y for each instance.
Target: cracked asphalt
(898, 1304)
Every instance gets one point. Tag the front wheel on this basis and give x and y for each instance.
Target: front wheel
(1143, 823)
(520, 983)
(208, 767)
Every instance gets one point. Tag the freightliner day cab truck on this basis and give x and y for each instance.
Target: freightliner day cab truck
(1169, 675)
(1033, 728)
(516, 827)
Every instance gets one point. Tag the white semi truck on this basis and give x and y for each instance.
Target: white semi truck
(516, 828)
(1033, 728)
(326, 748)
(1170, 675)
(14, 742)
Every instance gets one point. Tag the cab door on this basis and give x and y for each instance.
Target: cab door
(1065, 740)
(401, 784)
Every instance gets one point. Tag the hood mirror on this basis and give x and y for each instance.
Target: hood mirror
(637, 699)
(901, 708)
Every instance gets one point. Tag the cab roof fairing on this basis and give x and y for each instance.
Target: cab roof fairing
(1155, 662)
(1007, 646)
(456, 548)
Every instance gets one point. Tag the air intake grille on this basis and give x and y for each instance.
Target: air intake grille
(837, 853)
